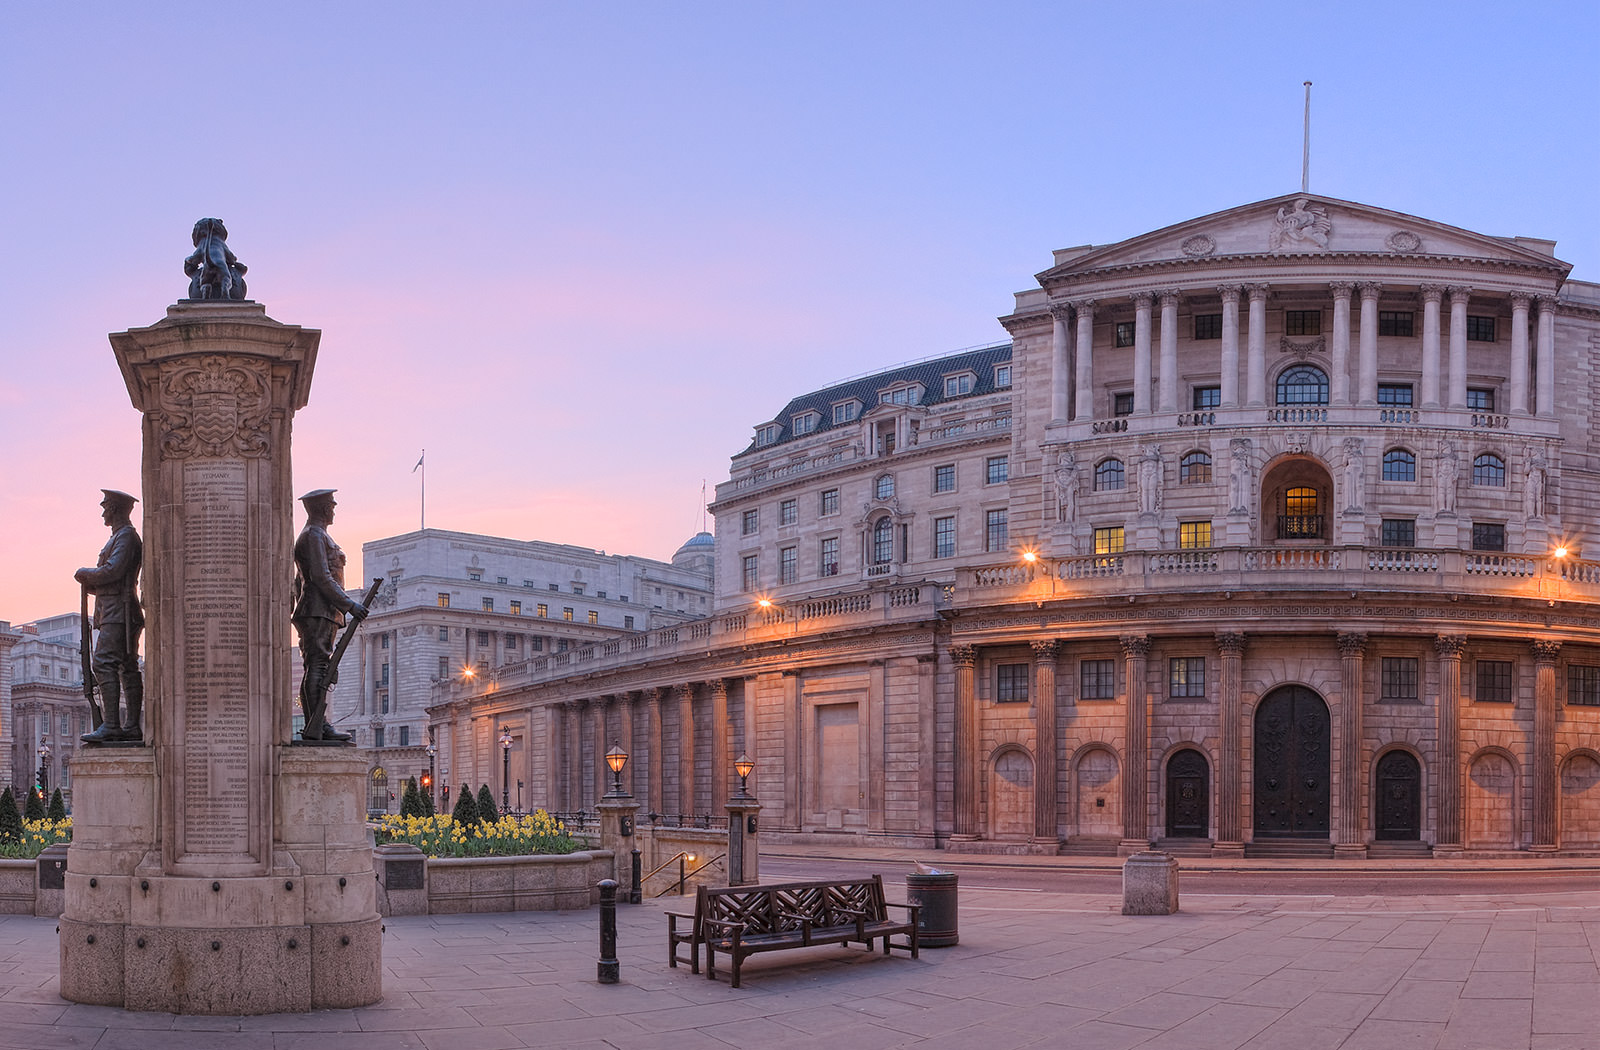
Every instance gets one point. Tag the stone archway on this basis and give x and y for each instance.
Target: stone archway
(1296, 503)
(1293, 764)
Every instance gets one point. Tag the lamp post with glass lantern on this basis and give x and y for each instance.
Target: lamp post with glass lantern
(432, 751)
(505, 770)
(616, 811)
(744, 855)
(44, 767)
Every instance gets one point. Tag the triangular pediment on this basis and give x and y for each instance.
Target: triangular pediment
(1297, 225)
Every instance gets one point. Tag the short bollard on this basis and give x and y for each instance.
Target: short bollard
(610, 971)
(635, 894)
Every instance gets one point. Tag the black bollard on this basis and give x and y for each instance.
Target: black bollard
(635, 893)
(610, 971)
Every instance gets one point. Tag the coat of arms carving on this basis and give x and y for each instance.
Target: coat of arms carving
(214, 407)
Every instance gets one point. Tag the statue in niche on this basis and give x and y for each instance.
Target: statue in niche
(1299, 226)
(320, 607)
(1446, 477)
(1239, 476)
(119, 619)
(1066, 486)
(1354, 479)
(1150, 479)
(214, 272)
(1535, 486)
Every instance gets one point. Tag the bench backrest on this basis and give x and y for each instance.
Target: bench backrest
(777, 907)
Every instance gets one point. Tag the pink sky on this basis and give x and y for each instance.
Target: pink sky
(577, 252)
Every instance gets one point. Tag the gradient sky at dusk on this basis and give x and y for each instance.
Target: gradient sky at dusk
(577, 251)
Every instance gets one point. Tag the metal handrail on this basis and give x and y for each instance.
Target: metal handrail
(681, 857)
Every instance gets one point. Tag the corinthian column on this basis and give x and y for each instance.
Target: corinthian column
(1256, 359)
(685, 694)
(1168, 380)
(1349, 841)
(1547, 356)
(1367, 366)
(718, 688)
(1085, 378)
(1230, 815)
(1448, 836)
(1339, 381)
(1045, 819)
(1142, 302)
(1060, 372)
(1546, 783)
(1230, 345)
(964, 657)
(655, 783)
(1519, 353)
(1136, 750)
(1431, 296)
(1459, 294)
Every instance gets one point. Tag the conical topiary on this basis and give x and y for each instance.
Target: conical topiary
(486, 807)
(10, 819)
(466, 811)
(410, 801)
(34, 809)
(427, 803)
(58, 806)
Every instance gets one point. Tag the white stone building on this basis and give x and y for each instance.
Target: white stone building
(1266, 531)
(41, 700)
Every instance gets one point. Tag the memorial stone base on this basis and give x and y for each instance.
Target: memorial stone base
(303, 934)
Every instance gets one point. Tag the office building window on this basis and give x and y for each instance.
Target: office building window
(377, 737)
(1208, 326)
(944, 478)
(1109, 539)
(1302, 322)
(995, 531)
(1122, 404)
(1480, 329)
(1489, 469)
(751, 573)
(1398, 532)
(788, 512)
(846, 411)
(1097, 680)
(1303, 385)
(1207, 397)
(955, 386)
(405, 736)
(1398, 678)
(767, 435)
(805, 424)
(475, 575)
(996, 469)
(1010, 682)
(944, 537)
(1187, 675)
(627, 623)
(483, 638)
(566, 613)
(594, 615)
(1195, 468)
(488, 605)
(1398, 394)
(1002, 376)
(383, 639)
(883, 542)
(444, 634)
(1109, 476)
(1583, 685)
(1488, 536)
(1194, 534)
(1480, 399)
(787, 565)
(1399, 465)
(1494, 682)
(883, 488)
(516, 607)
(444, 667)
(1394, 322)
(750, 522)
(543, 609)
(828, 557)
(1125, 333)
(828, 503)
(444, 600)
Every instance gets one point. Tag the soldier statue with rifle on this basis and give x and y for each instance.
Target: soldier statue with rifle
(320, 607)
(119, 619)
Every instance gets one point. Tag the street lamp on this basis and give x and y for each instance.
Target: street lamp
(44, 766)
(616, 758)
(743, 765)
(431, 752)
(505, 771)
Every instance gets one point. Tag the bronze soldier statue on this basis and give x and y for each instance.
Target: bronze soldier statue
(320, 606)
(114, 582)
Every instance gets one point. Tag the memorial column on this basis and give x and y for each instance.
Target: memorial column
(1339, 382)
(1136, 749)
(1520, 362)
(1060, 367)
(964, 788)
(1431, 296)
(1348, 840)
(1256, 359)
(1447, 837)
(1230, 345)
(1168, 381)
(1367, 363)
(1546, 778)
(1546, 365)
(1085, 376)
(1459, 294)
(1046, 821)
(1142, 302)
(1230, 774)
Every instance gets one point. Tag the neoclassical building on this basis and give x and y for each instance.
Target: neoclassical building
(1265, 532)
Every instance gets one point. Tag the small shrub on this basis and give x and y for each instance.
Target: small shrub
(58, 806)
(486, 807)
(466, 812)
(34, 810)
(10, 819)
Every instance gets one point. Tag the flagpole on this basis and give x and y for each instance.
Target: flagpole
(422, 512)
(1305, 148)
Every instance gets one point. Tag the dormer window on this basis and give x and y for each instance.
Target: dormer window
(902, 395)
(1002, 377)
(959, 384)
(767, 435)
(806, 423)
(846, 411)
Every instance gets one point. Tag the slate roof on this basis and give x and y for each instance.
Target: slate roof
(930, 373)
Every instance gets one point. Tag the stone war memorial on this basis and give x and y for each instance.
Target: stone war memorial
(218, 865)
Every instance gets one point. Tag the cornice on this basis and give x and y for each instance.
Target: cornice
(1389, 263)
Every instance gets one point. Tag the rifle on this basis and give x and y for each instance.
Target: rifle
(349, 632)
(84, 644)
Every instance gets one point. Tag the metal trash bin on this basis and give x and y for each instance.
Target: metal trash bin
(936, 922)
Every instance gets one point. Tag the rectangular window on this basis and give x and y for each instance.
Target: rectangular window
(383, 675)
(1208, 326)
(444, 634)
(1002, 376)
(1583, 685)
(535, 644)
(846, 411)
(1302, 322)
(566, 613)
(828, 503)
(513, 641)
(955, 386)
(1109, 540)
(944, 537)
(752, 575)
(66, 724)
(1488, 536)
(577, 588)
(1194, 534)
(788, 512)
(1010, 682)
(516, 607)
(1097, 680)
(787, 564)
(488, 605)
(1395, 394)
(1494, 682)
(475, 575)
(750, 522)
(444, 600)
(1398, 532)
(1480, 399)
(1394, 322)
(555, 586)
(483, 639)
(384, 637)
(543, 609)
(767, 435)
(996, 469)
(1187, 675)
(1125, 331)
(1207, 397)
(383, 703)
(444, 667)
(594, 616)
(627, 623)
(377, 737)
(805, 424)
(828, 557)
(1398, 678)
(405, 736)
(944, 478)
(1122, 404)
(561, 645)
(995, 531)
(1480, 329)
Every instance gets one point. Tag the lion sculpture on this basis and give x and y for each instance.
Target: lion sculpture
(213, 271)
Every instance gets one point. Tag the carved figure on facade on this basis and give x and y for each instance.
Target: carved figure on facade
(113, 582)
(215, 407)
(1300, 225)
(213, 271)
(1239, 476)
(1354, 474)
(1150, 479)
(1446, 476)
(1066, 486)
(1535, 486)
(320, 608)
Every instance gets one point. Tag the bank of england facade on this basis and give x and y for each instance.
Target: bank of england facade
(1265, 532)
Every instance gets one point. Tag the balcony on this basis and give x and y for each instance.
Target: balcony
(1302, 527)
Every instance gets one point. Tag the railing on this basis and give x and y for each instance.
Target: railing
(1297, 414)
(1300, 526)
(681, 858)
(1405, 416)
(965, 428)
(1110, 426)
(1479, 564)
(1490, 419)
(1197, 419)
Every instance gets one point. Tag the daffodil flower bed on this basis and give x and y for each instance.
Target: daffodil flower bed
(36, 835)
(440, 836)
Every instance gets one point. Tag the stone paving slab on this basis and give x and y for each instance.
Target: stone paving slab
(1035, 970)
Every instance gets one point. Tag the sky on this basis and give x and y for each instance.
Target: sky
(577, 252)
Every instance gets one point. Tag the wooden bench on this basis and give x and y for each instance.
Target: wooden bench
(742, 920)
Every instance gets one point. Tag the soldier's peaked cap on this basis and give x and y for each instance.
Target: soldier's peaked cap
(316, 494)
(118, 498)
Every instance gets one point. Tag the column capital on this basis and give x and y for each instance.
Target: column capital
(718, 687)
(1545, 651)
(1061, 311)
(1084, 307)
(1352, 643)
(1370, 290)
(1258, 292)
(1134, 644)
(1520, 300)
(1229, 292)
(1459, 293)
(1547, 303)
(1450, 644)
(1046, 650)
(1230, 643)
(1143, 300)
(963, 655)
(1341, 289)
(1431, 293)
(1169, 297)
(683, 690)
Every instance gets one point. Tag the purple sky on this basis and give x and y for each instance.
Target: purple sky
(577, 251)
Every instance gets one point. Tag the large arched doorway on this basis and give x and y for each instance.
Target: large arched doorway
(1293, 764)
(1397, 798)
(1188, 795)
(1011, 796)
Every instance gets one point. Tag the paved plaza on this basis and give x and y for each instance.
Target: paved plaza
(1033, 969)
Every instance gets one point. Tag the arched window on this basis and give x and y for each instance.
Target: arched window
(1301, 517)
(883, 488)
(1303, 385)
(1399, 465)
(378, 796)
(1109, 475)
(883, 542)
(1194, 468)
(1489, 469)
